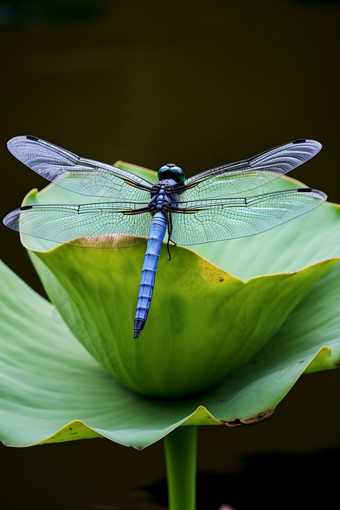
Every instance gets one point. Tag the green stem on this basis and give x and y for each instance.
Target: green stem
(180, 456)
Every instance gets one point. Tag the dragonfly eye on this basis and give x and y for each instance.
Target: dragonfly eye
(171, 171)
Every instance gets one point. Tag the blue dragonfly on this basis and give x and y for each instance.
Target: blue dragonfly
(194, 210)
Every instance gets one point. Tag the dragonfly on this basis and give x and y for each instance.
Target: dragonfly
(195, 210)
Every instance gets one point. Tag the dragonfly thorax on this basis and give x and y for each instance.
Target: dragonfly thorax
(171, 171)
(163, 194)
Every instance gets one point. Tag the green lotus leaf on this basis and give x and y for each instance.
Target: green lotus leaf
(52, 390)
(198, 312)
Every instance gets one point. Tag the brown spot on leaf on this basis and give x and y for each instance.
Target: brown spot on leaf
(234, 423)
(259, 417)
(108, 241)
(249, 421)
(301, 361)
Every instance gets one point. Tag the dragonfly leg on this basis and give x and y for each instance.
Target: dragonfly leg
(169, 235)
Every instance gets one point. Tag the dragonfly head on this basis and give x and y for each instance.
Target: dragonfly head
(171, 171)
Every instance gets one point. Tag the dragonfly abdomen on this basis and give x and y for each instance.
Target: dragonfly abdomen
(147, 283)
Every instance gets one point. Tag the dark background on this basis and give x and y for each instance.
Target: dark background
(200, 84)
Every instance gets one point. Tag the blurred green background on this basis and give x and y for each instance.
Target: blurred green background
(196, 83)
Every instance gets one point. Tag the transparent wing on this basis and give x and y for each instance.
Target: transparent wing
(79, 225)
(206, 221)
(250, 173)
(71, 172)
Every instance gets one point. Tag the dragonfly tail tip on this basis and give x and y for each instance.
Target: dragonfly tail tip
(139, 325)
